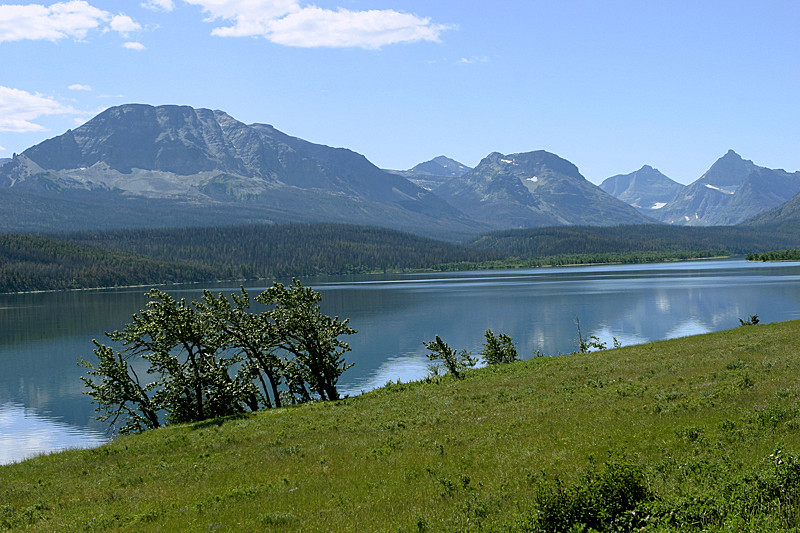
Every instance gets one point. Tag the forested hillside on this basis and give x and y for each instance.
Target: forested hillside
(263, 251)
(195, 254)
(30, 263)
(625, 239)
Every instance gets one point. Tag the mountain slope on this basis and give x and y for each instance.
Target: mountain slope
(645, 189)
(785, 217)
(534, 189)
(202, 161)
(731, 191)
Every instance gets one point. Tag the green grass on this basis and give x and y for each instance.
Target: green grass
(694, 420)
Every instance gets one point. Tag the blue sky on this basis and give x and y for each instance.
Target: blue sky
(609, 85)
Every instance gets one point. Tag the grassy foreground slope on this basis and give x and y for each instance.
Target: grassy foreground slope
(690, 429)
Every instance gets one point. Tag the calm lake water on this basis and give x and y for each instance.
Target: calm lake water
(42, 407)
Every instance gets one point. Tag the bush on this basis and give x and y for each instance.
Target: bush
(454, 362)
(610, 500)
(498, 350)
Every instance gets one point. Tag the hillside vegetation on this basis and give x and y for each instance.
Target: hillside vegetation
(698, 433)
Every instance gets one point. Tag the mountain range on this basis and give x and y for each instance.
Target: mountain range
(204, 167)
(138, 165)
(732, 191)
(534, 189)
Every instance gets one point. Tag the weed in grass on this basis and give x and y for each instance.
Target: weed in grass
(277, 519)
(691, 434)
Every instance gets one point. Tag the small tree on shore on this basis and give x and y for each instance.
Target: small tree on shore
(310, 336)
(216, 358)
(498, 349)
(455, 362)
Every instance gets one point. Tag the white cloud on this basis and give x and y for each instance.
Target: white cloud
(73, 19)
(79, 87)
(132, 45)
(19, 109)
(286, 22)
(473, 60)
(166, 5)
(124, 24)
(2, 149)
(64, 19)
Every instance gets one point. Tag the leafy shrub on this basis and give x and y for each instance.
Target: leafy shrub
(609, 500)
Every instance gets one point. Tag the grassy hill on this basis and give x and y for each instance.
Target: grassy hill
(685, 434)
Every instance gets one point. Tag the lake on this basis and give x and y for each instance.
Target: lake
(42, 407)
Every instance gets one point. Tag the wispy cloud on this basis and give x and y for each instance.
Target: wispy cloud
(473, 60)
(19, 109)
(133, 45)
(286, 22)
(165, 5)
(73, 19)
(79, 87)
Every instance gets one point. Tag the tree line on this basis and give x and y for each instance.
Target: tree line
(775, 255)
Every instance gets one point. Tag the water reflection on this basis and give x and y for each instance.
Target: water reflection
(24, 433)
(42, 335)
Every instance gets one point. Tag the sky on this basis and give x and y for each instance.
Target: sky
(608, 85)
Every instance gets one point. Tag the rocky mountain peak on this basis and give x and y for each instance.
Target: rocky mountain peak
(729, 170)
(440, 166)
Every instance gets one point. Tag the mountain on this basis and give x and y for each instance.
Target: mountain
(731, 191)
(440, 166)
(4, 160)
(534, 189)
(431, 174)
(785, 217)
(646, 189)
(204, 167)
